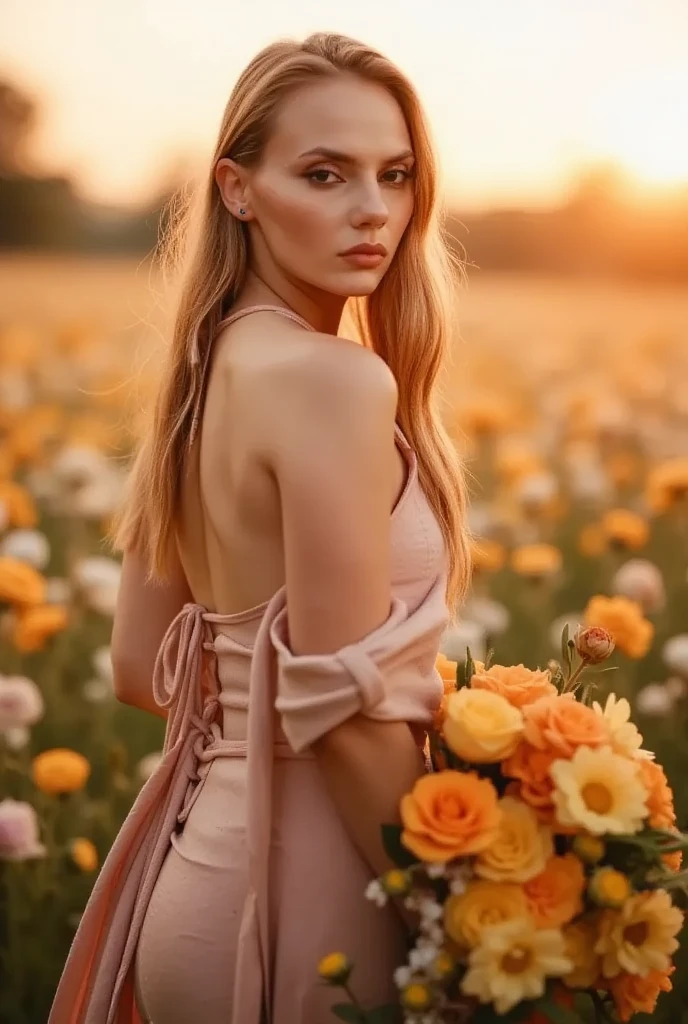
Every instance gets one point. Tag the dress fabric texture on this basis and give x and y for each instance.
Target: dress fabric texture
(233, 874)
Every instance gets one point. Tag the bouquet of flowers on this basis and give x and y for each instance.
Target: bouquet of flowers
(541, 854)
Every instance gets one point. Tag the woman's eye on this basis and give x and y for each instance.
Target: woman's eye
(321, 180)
(402, 171)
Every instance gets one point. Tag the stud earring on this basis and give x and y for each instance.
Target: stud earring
(242, 211)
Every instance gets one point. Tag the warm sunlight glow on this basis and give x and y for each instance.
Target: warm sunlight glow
(645, 128)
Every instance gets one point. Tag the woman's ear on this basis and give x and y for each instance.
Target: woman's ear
(231, 182)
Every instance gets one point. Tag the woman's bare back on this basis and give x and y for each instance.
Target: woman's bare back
(230, 533)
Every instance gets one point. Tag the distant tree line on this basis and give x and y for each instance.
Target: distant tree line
(593, 233)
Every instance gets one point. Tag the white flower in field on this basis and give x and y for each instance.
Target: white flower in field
(19, 834)
(43, 484)
(102, 663)
(98, 579)
(97, 498)
(675, 654)
(21, 703)
(97, 690)
(654, 699)
(493, 616)
(420, 958)
(77, 465)
(17, 739)
(537, 489)
(148, 765)
(30, 546)
(589, 482)
(57, 590)
(456, 639)
(641, 581)
(376, 894)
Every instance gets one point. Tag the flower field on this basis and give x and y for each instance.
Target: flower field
(570, 402)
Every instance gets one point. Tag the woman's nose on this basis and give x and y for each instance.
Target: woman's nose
(372, 210)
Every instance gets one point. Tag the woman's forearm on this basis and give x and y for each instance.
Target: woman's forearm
(368, 766)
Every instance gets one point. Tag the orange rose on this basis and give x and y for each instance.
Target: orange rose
(673, 861)
(660, 799)
(633, 994)
(520, 685)
(561, 724)
(555, 896)
(535, 786)
(449, 814)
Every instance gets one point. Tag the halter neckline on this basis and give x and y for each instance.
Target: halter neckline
(195, 357)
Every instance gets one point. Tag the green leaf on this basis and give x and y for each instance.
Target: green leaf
(488, 659)
(556, 1013)
(470, 666)
(349, 1013)
(565, 650)
(385, 1015)
(395, 849)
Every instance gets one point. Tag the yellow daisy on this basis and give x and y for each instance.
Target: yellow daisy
(624, 735)
(640, 936)
(512, 963)
(599, 791)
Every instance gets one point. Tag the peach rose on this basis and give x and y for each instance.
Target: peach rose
(480, 726)
(449, 814)
(520, 685)
(520, 848)
(633, 994)
(561, 724)
(447, 670)
(555, 895)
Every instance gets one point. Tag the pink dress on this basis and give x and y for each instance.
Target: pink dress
(233, 874)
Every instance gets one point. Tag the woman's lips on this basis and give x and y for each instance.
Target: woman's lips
(364, 259)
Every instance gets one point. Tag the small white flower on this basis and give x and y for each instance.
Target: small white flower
(436, 870)
(57, 590)
(419, 959)
(21, 703)
(675, 654)
(676, 687)
(430, 910)
(376, 893)
(102, 663)
(456, 639)
(148, 764)
(402, 976)
(17, 738)
(654, 699)
(95, 691)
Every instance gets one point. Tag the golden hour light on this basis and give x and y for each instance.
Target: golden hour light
(643, 127)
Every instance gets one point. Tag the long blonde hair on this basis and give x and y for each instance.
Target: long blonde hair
(407, 320)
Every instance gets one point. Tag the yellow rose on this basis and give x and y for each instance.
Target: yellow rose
(481, 726)
(482, 904)
(521, 847)
(60, 771)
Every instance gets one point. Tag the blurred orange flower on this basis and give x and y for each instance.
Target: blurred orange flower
(660, 799)
(667, 485)
(37, 624)
(60, 770)
(487, 555)
(625, 529)
(20, 584)
(536, 560)
(623, 618)
(21, 508)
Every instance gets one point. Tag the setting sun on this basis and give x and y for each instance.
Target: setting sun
(643, 128)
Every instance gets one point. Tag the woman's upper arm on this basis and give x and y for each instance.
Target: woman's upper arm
(335, 470)
(143, 613)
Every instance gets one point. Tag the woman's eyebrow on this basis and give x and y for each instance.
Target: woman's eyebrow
(344, 158)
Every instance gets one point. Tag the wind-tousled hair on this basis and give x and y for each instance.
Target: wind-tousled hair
(408, 319)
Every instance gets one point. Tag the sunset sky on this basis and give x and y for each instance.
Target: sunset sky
(519, 92)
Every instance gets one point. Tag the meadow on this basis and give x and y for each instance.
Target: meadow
(569, 399)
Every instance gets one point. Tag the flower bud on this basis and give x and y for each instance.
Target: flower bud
(396, 882)
(589, 849)
(335, 968)
(416, 997)
(609, 888)
(594, 644)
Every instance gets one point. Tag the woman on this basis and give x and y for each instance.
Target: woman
(290, 561)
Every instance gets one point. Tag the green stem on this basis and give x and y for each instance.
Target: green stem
(355, 1003)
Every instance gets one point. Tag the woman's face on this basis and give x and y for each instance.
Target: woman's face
(336, 173)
